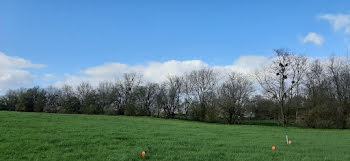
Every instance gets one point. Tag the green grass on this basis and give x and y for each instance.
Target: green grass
(61, 137)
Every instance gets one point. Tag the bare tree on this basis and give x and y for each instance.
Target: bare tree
(161, 100)
(203, 83)
(84, 89)
(104, 91)
(130, 82)
(53, 96)
(282, 78)
(145, 98)
(298, 73)
(88, 99)
(11, 99)
(340, 74)
(69, 102)
(188, 93)
(320, 103)
(67, 91)
(117, 98)
(234, 94)
(173, 85)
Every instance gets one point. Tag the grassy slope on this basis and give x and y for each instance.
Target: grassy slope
(40, 136)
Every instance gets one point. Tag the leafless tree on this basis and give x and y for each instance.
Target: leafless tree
(69, 101)
(203, 83)
(188, 93)
(130, 82)
(84, 89)
(88, 99)
(11, 98)
(161, 100)
(145, 98)
(282, 78)
(233, 96)
(67, 91)
(340, 74)
(173, 85)
(53, 95)
(104, 92)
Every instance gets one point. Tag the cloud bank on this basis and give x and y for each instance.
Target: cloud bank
(14, 72)
(159, 71)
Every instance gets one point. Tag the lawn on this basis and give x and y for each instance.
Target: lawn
(63, 137)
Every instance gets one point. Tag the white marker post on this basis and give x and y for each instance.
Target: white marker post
(287, 139)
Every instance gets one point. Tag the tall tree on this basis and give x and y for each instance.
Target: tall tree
(188, 93)
(53, 96)
(145, 98)
(105, 96)
(203, 83)
(69, 102)
(282, 78)
(340, 73)
(130, 82)
(88, 99)
(174, 85)
(233, 96)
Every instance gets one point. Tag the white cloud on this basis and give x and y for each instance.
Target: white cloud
(8, 62)
(245, 64)
(14, 73)
(157, 71)
(313, 38)
(338, 21)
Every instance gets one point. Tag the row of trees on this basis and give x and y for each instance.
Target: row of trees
(195, 95)
(314, 93)
(290, 89)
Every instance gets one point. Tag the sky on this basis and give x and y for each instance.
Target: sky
(65, 42)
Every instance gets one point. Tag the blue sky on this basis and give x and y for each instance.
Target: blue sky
(69, 37)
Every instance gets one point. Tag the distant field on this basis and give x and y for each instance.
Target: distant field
(62, 137)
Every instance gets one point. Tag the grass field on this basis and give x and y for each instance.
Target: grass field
(61, 137)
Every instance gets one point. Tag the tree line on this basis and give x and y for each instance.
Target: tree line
(291, 89)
